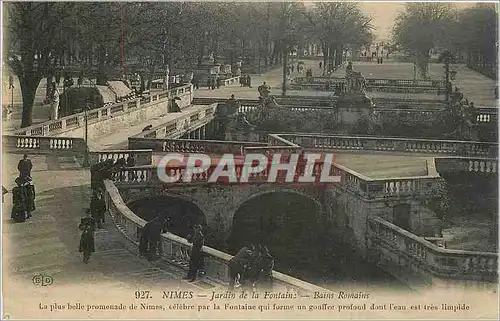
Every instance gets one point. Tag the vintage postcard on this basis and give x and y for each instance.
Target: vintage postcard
(249, 160)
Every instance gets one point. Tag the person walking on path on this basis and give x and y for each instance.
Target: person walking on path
(19, 202)
(25, 166)
(196, 257)
(98, 207)
(87, 226)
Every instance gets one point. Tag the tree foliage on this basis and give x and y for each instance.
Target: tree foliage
(338, 26)
(421, 27)
(95, 38)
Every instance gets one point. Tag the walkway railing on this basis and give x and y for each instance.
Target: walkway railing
(78, 120)
(178, 126)
(217, 147)
(422, 254)
(141, 156)
(423, 186)
(467, 164)
(42, 144)
(448, 147)
(176, 249)
(373, 82)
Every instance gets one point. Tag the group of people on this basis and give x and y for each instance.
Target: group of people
(213, 82)
(23, 195)
(110, 169)
(251, 266)
(150, 237)
(245, 81)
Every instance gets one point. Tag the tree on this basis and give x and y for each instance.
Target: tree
(33, 44)
(421, 27)
(337, 26)
(476, 32)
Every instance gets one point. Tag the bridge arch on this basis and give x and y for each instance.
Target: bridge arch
(265, 217)
(182, 211)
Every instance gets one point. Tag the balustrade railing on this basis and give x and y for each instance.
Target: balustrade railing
(449, 147)
(25, 144)
(441, 262)
(372, 82)
(177, 249)
(467, 164)
(425, 186)
(141, 156)
(189, 120)
(78, 120)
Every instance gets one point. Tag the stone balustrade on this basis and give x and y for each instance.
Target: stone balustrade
(176, 249)
(42, 144)
(217, 147)
(231, 81)
(425, 186)
(384, 112)
(142, 156)
(427, 257)
(373, 82)
(448, 147)
(486, 115)
(76, 121)
(178, 126)
(467, 164)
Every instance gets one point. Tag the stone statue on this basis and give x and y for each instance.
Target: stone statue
(264, 90)
(356, 82)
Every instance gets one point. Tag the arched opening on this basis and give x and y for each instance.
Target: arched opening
(182, 214)
(305, 244)
(287, 223)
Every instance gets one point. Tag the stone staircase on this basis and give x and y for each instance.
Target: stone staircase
(48, 243)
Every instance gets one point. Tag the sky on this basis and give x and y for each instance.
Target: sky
(384, 13)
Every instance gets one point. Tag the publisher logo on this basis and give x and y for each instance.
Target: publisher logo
(280, 168)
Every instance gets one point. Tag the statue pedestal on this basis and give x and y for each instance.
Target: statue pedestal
(353, 107)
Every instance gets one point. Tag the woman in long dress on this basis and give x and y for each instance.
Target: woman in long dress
(19, 202)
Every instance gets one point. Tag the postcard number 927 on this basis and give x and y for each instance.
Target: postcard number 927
(142, 295)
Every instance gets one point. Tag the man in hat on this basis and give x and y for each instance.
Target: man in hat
(98, 207)
(196, 257)
(25, 166)
(87, 226)
(150, 242)
(239, 264)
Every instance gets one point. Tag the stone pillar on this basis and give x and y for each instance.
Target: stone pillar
(203, 131)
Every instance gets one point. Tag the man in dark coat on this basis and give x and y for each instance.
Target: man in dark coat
(19, 202)
(150, 242)
(265, 267)
(87, 226)
(98, 207)
(196, 257)
(239, 263)
(25, 166)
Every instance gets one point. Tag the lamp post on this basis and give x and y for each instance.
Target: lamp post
(86, 155)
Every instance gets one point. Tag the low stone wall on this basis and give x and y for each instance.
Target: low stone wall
(103, 121)
(176, 249)
(420, 263)
(445, 147)
(179, 126)
(43, 145)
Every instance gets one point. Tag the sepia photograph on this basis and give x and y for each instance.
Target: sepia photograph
(249, 160)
